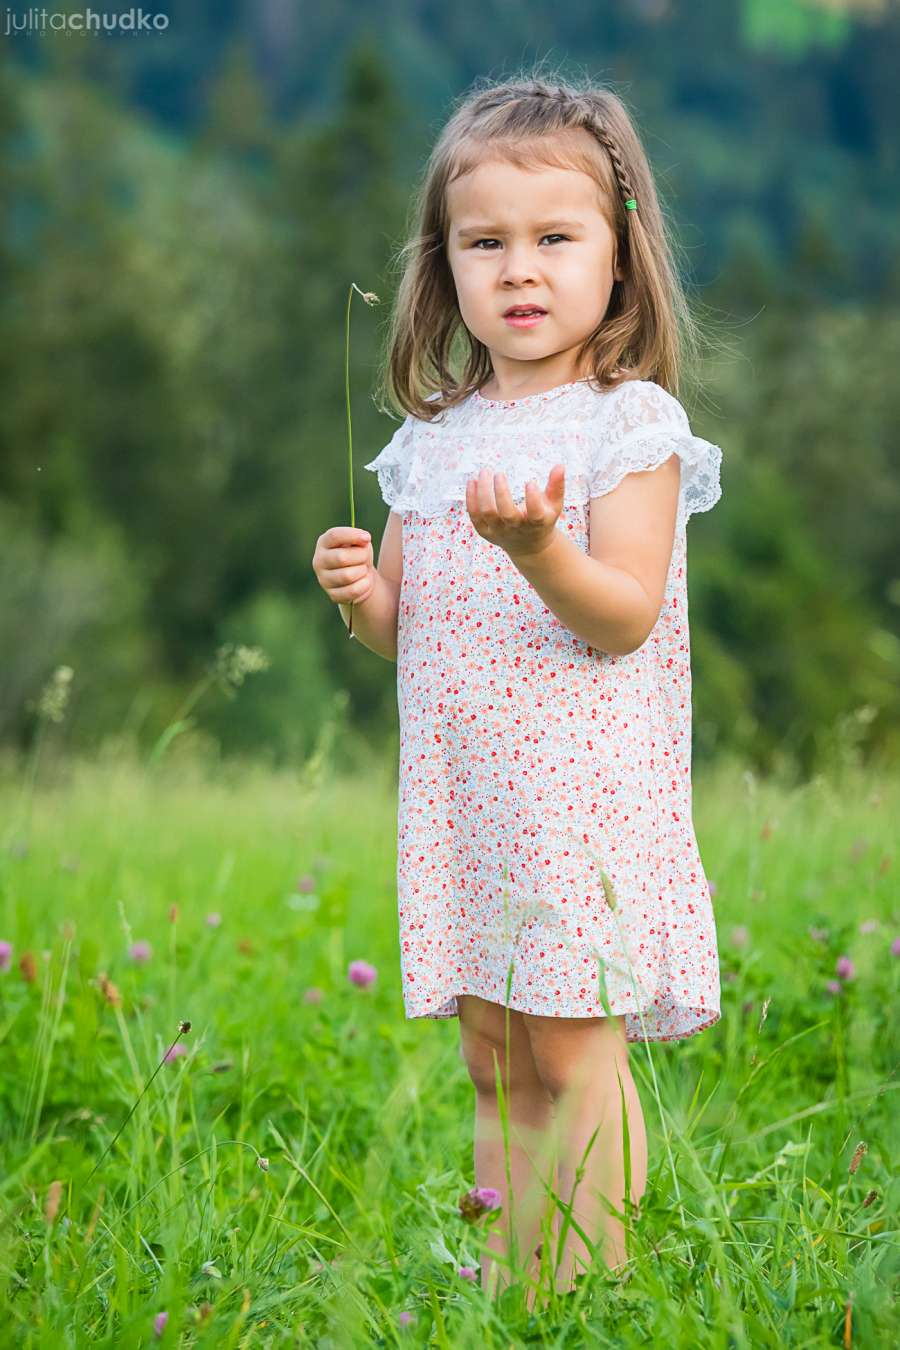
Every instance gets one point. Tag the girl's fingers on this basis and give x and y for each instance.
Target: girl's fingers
(348, 574)
(479, 494)
(351, 587)
(509, 512)
(346, 534)
(486, 500)
(535, 502)
(489, 494)
(347, 557)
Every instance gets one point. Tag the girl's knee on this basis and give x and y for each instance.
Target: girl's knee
(572, 1052)
(485, 1047)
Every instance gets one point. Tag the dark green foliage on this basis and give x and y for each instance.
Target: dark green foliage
(172, 428)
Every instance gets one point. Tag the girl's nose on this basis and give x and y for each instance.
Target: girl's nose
(517, 267)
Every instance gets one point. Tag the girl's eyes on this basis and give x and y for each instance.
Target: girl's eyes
(494, 241)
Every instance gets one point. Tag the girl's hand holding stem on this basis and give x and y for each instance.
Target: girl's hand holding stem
(344, 564)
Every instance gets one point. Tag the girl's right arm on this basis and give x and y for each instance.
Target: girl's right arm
(343, 565)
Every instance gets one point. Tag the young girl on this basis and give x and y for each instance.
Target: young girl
(531, 586)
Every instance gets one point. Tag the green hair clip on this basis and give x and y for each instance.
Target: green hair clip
(631, 204)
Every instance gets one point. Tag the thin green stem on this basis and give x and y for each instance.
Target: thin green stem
(349, 426)
(185, 1026)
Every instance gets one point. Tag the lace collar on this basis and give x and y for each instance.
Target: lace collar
(599, 435)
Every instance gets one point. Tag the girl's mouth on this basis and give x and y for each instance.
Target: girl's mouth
(516, 320)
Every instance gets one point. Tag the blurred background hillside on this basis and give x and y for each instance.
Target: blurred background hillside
(182, 215)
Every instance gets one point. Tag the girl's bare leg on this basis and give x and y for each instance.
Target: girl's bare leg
(577, 1060)
(532, 1139)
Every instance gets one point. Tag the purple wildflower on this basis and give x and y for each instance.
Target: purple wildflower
(404, 1318)
(305, 883)
(868, 926)
(214, 919)
(487, 1196)
(895, 947)
(159, 1323)
(5, 955)
(479, 1200)
(740, 936)
(175, 1052)
(140, 952)
(844, 968)
(467, 1272)
(712, 888)
(818, 934)
(361, 973)
(313, 995)
(834, 986)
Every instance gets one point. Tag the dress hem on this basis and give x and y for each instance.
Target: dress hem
(633, 1028)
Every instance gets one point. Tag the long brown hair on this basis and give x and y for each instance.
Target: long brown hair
(647, 330)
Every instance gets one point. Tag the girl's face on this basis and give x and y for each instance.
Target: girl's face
(526, 238)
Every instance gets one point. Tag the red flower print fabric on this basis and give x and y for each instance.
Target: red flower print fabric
(532, 764)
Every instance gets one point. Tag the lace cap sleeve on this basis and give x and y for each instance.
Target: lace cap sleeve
(643, 426)
(393, 463)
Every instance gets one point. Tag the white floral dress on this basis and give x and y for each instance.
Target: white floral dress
(531, 764)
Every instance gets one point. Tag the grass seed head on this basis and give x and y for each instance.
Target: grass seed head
(55, 694)
(109, 991)
(857, 1158)
(369, 296)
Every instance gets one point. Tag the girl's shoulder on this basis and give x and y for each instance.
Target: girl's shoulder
(639, 425)
(394, 463)
(636, 403)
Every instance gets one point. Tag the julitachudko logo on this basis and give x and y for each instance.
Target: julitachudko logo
(84, 21)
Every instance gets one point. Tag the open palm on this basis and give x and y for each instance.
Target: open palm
(520, 531)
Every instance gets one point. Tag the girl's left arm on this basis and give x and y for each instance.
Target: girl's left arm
(611, 597)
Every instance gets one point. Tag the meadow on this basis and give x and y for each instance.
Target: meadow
(292, 1173)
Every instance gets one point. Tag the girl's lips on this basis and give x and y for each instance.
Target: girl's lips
(524, 320)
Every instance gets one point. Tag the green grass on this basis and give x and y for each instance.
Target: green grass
(366, 1119)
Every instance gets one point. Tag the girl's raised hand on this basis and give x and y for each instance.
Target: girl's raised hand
(520, 532)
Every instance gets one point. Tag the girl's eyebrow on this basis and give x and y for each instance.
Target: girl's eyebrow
(470, 230)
